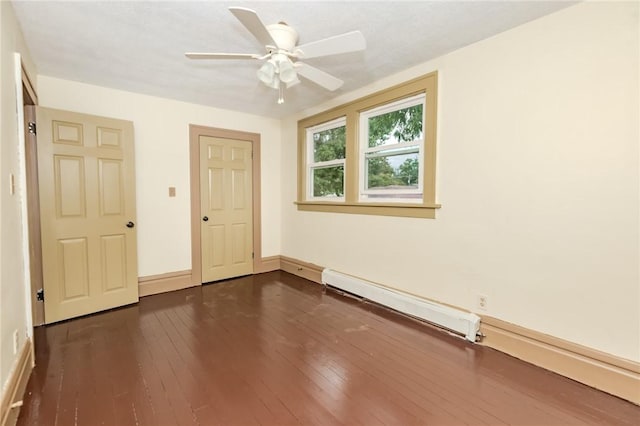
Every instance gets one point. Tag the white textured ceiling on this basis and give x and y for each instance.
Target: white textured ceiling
(139, 45)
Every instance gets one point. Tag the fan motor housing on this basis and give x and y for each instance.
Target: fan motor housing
(285, 37)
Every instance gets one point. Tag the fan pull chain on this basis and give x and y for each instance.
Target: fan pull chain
(281, 94)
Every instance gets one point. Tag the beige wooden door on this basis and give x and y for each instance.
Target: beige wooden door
(226, 208)
(87, 213)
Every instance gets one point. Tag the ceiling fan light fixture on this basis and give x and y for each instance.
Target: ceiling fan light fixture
(287, 73)
(275, 83)
(267, 73)
(283, 53)
(278, 69)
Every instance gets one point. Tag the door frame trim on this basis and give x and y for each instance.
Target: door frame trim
(33, 212)
(195, 131)
(27, 96)
(30, 102)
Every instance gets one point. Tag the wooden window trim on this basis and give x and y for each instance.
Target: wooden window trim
(426, 209)
(310, 164)
(363, 148)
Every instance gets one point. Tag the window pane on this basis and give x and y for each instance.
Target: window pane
(393, 172)
(329, 144)
(403, 125)
(328, 181)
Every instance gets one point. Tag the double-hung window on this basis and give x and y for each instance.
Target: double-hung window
(391, 148)
(375, 155)
(325, 160)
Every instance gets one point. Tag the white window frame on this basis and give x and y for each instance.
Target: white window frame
(408, 147)
(315, 165)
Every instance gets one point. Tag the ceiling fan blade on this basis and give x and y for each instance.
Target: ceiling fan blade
(293, 83)
(252, 22)
(343, 43)
(192, 55)
(319, 77)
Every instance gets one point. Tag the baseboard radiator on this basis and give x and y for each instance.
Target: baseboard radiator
(460, 322)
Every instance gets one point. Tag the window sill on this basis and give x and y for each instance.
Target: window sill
(379, 209)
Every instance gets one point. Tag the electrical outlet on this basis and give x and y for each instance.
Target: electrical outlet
(482, 301)
(16, 341)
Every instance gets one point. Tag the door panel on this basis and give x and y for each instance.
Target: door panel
(69, 186)
(238, 196)
(109, 138)
(74, 274)
(226, 202)
(216, 189)
(87, 197)
(114, 262)
(111, 187)
(216, 243)
(239, 237)
(67, 133)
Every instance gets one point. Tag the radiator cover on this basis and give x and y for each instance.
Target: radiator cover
(464, 323)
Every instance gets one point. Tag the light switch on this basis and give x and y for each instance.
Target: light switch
(172, 191)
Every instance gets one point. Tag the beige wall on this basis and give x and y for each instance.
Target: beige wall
(13, 290)
(538, 177)
(162, 160)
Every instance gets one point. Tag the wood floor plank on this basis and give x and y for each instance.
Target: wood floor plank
(243, 360)
(275, 349)
(276, 411)
(224, 378)
(364, 358)
(285, 338)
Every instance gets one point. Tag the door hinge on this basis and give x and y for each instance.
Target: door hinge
(252, 155)
(253, 255)
(40, 295)
(32, 127)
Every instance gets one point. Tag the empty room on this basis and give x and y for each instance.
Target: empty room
(319, 213)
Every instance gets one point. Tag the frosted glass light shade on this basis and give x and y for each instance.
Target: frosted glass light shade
(267, 73)
(287, 73)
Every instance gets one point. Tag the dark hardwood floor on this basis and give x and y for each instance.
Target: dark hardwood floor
(275, 349)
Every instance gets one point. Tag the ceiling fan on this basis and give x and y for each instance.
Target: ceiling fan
(282, 66)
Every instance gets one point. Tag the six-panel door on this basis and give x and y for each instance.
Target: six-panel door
(226, 208)
(87, 211)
